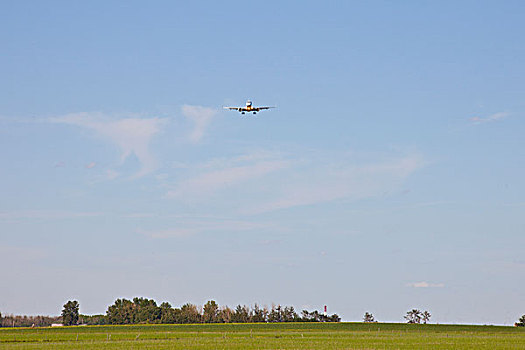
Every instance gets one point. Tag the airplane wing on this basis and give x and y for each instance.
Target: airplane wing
(261, 108)
(233, 108)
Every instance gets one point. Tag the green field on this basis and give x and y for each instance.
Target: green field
(266, 336)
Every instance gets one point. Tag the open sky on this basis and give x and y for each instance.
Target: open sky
(389, 177)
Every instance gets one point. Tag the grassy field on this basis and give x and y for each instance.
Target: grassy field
(266, 336)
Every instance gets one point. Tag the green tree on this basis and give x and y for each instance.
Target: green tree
(93, 319)
(413, 316)
(189, 314)
(313, 316)
(276, 314)
(289, 314)
(210, 312)
(425, 316)
(226, 315)
(70, 313)
(368, 317)
(334, 318)
(305, 316)
(167, 313)
(259, 315)
(241, 314)
(121, 312)
(146, 311)
(521, 322)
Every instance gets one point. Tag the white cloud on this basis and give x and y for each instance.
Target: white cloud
(221, 178)
(327, 182)
(267, 181)
(168, 233)
(192, 227)
(270, 242)
(491, 118)
(44, 215)
(201, 117)
(91, 165)
(130, 135)
(424, 284)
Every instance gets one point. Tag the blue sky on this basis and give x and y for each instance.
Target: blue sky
(388, 178)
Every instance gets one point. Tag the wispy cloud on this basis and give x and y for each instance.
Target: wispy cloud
(266, 181)
(328, 182)
(424, 284)
(201, 118)
(270, 242)
(130, 135)
(217, 179)
(192, 227)
(167, 233)
(44, 215)
(491, 118)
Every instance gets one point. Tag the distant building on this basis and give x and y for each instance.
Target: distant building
(57, 325)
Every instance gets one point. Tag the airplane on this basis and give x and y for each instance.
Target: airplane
(248, 108)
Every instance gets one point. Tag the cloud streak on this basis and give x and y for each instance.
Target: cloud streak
(130, 135)
(193, 227)
(267, 181)
(218, 179)
(201, 118)
(167, 233)
(44, 215)
(424, 284)
(491, 118)
(323, 183)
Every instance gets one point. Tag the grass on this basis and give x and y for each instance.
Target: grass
(266, 336)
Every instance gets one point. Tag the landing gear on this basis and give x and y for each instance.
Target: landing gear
(242, 112)
(254, 112)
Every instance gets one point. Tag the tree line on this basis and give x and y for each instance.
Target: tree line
(28, 321)
(412, 316)
(143, 310)
(417, 316)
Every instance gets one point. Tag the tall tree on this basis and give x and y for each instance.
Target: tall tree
(70, 313)
(121, 312)
(313, 316)
(167, 313)
(241, 314)
(146, 311)
(189, 314)
(276, 314)
(334, 318)
(226, 315)
(425, 316)
(368, 317)
(289, 314)
(259, 315)
(210, 312)
(413, 316)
